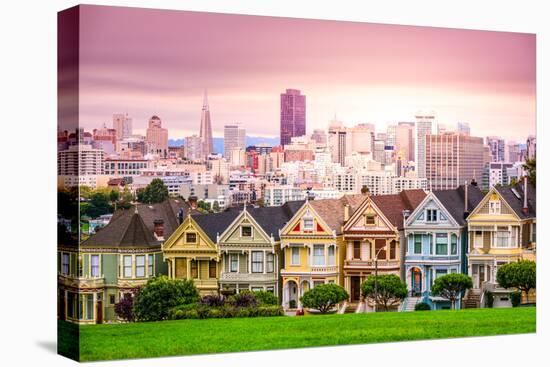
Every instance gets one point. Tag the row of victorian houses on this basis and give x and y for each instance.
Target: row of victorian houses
(289, 249)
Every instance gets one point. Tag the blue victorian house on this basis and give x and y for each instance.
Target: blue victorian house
(436, 242)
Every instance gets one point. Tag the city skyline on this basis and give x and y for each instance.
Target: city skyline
(128, 69)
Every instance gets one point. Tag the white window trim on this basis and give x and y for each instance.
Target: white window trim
(251, 231)
(68, 263)
(495, 207)
(292, 263)
(324, 262)
(144, 266)
(260, 262)
(98, 265)
(230, 262)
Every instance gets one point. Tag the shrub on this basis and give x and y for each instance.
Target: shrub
(181, 310)
(422, 306)
(515, 298)
(266, 298)
(391, 290)
(212, 301)
(243, 299)
(160, 294)
(292, 303)
(324, 297)
(266, 311)
(489, 299)
(451, 286)
(125, 307)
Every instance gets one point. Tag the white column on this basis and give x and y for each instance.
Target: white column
(265, 262)
(249, 261)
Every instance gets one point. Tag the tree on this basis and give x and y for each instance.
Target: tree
(451, 286)
(364, 190)
(521, 275)
(126, 199)
(216, 206)
(531, 167)
(324, 297)
(155, 192)
(160, 294)
(125, 306)
(99, 204)
(260, 202)
(266, 298)
(390, 291)
(114, 196)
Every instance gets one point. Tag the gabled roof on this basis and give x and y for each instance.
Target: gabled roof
(214, 224)
(273, 218)
(453, 201)
(332, 210)
(393, 205)
(516, 202)
(134, 228)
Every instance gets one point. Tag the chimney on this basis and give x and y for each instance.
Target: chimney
(193, 201)
(466, 199)
(525, 208)
(346, 213)
(158, 228)
(180, 216)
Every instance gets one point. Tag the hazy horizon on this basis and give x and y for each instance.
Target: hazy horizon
(147, 62)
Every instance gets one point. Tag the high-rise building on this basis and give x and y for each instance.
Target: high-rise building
(424, 123)
(391, 135)
(234, 136)
(293, 115)
(404, 140)
(452, 159)
(495, 173)
(463, 128)
(512, 152)
(105, 139)
(362, 138)
(497, 147)
(339, 141)
(206, 129)
(123, 125)
(156, 137)
(193, 148)
(80, 160)
(320, 137)
(531, 147)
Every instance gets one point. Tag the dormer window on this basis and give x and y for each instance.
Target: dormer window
(431, 215)
(246, 231)
(308, 224)
(370, 219)
(494, 207)
(191, 237)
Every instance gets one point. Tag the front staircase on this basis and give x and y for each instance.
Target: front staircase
(472, 299)
(351, 308)
(410, 303)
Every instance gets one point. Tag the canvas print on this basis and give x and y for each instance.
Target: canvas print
(232, 183)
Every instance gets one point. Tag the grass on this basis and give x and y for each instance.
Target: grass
(184, 337)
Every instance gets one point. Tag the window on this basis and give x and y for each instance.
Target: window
(270, 289)
(257, 261)
(65, 263)
(233, 263)
(431, 215)
(80, 267)
(533, 232)
(317, 282)
(442, 216)
(246, 231)
(71, 305)
(112, 299)
(212, 269)
(331, 251)
(454, 244)
(478, 239)
(494, 207)
(308, 224)
(441, 244)
(380, 248)
(270, 263)
(440, 272)
(295, 256)
(502, 237)
(194, 269)
(256, 289)
(453, 271)
(357, 250)
(150, 265)
(370, 219)
(393, 249)
(191, 238)
(330, 281)
(417, 243)
(89, 306)
(318, 254)
(127, 264)
(94, 271)
(140, 266)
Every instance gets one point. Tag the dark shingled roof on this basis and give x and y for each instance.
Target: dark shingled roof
(273, 218)
(453, 201)
(507, 192)
(392, 206)
(214, 224)
(130, 229)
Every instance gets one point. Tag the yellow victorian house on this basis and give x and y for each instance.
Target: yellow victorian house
(311, 245)
(501, 229)
(192, 252)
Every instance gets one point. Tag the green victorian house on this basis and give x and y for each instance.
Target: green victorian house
(118, 258)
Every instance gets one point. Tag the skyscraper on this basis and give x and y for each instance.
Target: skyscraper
(404, 140)
(233, 137)
(463, 128)
(424, 123)
(206, 129)
(156, 137)
(193, 148)
(497, 146)
(123, 125)
(452, 159)
(293, 115)
(531, 146)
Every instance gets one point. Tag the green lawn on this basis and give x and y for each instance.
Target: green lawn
(183, 337)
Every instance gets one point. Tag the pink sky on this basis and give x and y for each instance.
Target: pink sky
(150, 62)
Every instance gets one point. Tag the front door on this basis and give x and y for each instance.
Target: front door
(355, 289)
(481, 275)
(99, 312)
(417, 281)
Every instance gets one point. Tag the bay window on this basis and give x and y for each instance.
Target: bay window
(127, 266)
(502, 238)
(257, 261)
(331, 252)
(150, 264)
(318, 254)
(295, 256)
(417, 243)
(65, 263)
(94, 268)
(270, 263)
(441, 244)
(454, 244)
(140, 266)
(233, 263)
